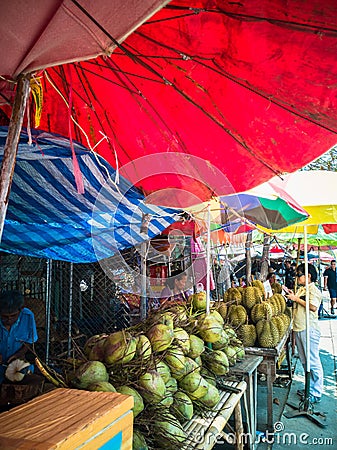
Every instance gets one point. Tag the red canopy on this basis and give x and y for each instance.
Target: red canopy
(210, 100)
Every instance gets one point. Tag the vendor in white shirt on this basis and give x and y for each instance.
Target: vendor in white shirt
(299, 327)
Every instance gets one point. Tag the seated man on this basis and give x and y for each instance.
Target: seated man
(17, 328)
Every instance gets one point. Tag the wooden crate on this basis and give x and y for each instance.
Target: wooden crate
(68, 419)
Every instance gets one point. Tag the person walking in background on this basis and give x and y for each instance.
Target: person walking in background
(289, 275)
(299, 328)
(330, 283)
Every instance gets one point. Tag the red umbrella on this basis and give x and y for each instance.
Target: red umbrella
(208, 96)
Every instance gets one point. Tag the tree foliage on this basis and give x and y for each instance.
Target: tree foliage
(328, 161)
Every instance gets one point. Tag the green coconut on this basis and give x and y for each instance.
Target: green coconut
(180, 313)
(197, 346)
(163, 369)
(94, 347)
(231, 355)
(168, 431)
(138, 441)
(165, 318)
(178, 374)
(175, 359)
(191, 365)
(198, 360)
(153, 386)
(209, 377)
(222, 342)
(216, 362)
(209, 328)
(90, 372)
(167, 401)
(240, 352)
(200, 392)
(143, 347)
(161, 337)
(195, 384)
(230, 332)
(182, 339)
(217, 316)
(101, 386)
(171, 386)
(211, 398)
(119, 348)
(138, 404)
(182, 406)
(199, 301)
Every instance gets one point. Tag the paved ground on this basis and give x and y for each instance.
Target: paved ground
(301, 432)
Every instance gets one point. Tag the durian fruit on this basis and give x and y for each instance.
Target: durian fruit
(286, 318)
(259, 285)
(267, 333)
(275, 305)
(237, 315)
(247, 334)
(233, 295)
(251, 296)
(281, 301)
(281, 325)
(261, 311)
(222, 309)
(276, 288)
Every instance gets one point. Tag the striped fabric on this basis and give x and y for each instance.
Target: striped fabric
(48, 218)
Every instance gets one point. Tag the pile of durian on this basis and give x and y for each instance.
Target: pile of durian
(172, 364)
(258, 321)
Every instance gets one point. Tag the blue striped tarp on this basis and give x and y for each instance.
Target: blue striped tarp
(48, 218)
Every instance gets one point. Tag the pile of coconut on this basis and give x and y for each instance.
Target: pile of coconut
(169, 364)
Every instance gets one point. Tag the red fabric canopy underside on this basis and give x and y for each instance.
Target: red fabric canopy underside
(211, 101)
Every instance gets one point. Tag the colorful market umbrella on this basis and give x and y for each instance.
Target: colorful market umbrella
(206, 97)
(267, 205)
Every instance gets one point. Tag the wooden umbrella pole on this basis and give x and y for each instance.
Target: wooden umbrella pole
(11, 146)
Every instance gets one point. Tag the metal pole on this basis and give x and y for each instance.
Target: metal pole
(70, 312)
(48, 308)
(208, 260)
(143, 298)
(307, 310)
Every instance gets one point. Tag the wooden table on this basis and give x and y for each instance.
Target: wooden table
(247, 369)
(206, 431)
(269, 367)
